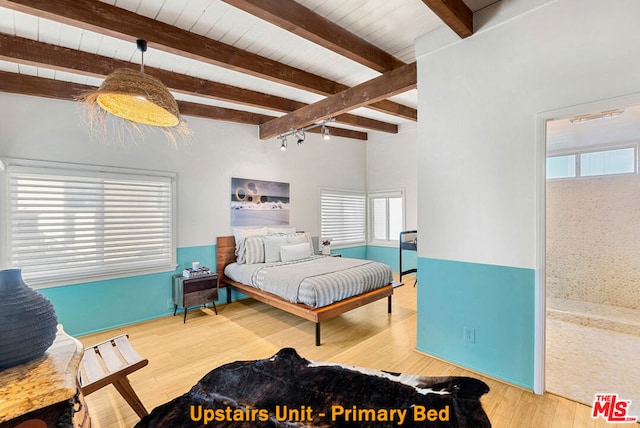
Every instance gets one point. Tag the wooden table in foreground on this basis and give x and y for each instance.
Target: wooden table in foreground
(44, 392)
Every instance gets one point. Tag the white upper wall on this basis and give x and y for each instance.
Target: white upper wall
(44, 129)
(391, 164)
(480, 100)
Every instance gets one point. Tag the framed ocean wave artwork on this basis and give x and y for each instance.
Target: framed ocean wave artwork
(259, 202)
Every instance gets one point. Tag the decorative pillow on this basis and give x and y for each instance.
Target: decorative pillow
(272, 244)
(289, 253)
(254, 250)
(240, 234)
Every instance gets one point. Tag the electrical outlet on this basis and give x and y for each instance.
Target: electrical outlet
(469, 335)
(169, 303)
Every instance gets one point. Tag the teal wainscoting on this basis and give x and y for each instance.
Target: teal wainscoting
(391, 256)
(102, 305)
(352, 252)
(478, 316)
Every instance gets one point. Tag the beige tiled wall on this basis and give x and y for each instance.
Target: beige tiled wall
(593, 240)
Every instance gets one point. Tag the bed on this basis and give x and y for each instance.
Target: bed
(326, 308)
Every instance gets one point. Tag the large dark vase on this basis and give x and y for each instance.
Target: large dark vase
(28, 322)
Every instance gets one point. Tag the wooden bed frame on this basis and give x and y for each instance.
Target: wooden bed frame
(225, 249)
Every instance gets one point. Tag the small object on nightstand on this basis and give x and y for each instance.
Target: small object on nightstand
(194, 291)
(194, 273)
(326, 246)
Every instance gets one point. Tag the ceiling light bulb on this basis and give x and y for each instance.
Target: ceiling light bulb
(283, 144)
(325, 133)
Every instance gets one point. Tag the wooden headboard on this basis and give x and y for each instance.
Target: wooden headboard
(225, 254)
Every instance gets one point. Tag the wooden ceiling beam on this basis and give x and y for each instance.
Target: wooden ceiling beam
(40, 87)
(31, 52)
(69, 91)
(106, 19)
(239, 116)
(221, 113)
(249, 118)
(455, 14)
(341, 132)
(389, 84)
(297, 19)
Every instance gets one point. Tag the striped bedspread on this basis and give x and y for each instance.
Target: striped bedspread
(319, 281)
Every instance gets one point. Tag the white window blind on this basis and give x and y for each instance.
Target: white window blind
(77, 225)
(342, 217)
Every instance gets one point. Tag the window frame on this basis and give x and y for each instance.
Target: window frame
(384, 194)
(101, 271)
(337, 243)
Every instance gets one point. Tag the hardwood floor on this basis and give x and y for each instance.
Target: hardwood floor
(180, 354)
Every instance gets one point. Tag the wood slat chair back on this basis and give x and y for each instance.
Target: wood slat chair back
(110, 362)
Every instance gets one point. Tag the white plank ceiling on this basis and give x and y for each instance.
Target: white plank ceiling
(392, 25)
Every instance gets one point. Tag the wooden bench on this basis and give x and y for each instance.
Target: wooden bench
(110, 362)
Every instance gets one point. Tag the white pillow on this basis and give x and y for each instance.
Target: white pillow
(241, 234)
(272, 244)
(253, 250)
(275, 230)
(289, 253)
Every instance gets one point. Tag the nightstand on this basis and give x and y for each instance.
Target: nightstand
(198, 291)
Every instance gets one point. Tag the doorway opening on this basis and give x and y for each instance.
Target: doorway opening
(592, 266)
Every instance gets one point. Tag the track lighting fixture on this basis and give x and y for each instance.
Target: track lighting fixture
(299, 134)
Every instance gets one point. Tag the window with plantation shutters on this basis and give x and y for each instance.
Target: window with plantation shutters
(386, 217)
(77, 224)
(343, 217)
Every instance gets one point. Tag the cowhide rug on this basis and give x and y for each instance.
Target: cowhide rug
(287, 390)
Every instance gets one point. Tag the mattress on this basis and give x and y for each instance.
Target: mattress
(316, 281)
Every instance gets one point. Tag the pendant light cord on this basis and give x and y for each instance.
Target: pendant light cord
(142, 47)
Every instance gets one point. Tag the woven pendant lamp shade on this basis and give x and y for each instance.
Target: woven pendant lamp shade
(128, 101)
(138, 97)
